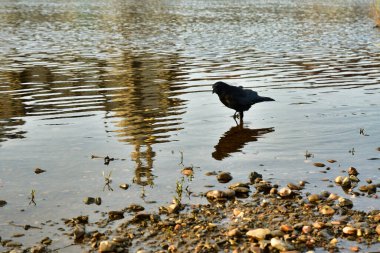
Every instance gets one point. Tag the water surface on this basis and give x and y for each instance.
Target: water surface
(133, 81)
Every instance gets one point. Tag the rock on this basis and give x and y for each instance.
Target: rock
(294, 187)
(263, 187)
(346, 182)
(238, 185)
(188, 171)
(259, 233)
(352, 171)
(39, 171)
(286, 228)
(224, 177)
(124, 186)
(135, 208)
(349, 230)
(2, 203)
(354, 248)
(39, 248)
(175, 207)
(220, 196)
(318, 224)
(354, 178)
(115, 215)
(107, 246)
(46, 241)
(333, 196)
(280, 244)
(378, 229)
(343, 202)
(339, 180)
(253, 176)
(13, 244)
(307, 229)
(332, 161)
(369, 181)
(98, 201)
(319, 165)
(371, 189)
(89, 200)
(326, 210)
(285, 192)
(313, 198)
(235, 232)
(78, 232)
(241, 192)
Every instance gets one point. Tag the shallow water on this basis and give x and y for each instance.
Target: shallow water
(133, 81)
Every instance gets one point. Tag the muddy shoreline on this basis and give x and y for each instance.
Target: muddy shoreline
(256, 216)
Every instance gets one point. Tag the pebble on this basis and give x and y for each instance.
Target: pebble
(319, 165)
(343, 202)
(327, 210)
(286, 228)
(280, 244)
(349, 230)
(78, 232)
(115, 215)
(346, 182)
(253, 176)
(234, 232)
(2, 203)
(259, 233)
(378, 229)
(313, 198)
(306, 229)
(39, 171)
(354, 248)
(124, 186)
(284, 192)
(107, 246)
(224, 177)
(39, 248)
(188, 171)
(352, 171)
(338, 180)
(13, 244)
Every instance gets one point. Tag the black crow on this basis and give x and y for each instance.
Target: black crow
(237, 98)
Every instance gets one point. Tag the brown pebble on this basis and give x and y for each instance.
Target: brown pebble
(318, 224)
(188, 171)
(352, 171)
(349, 230)
(286, 228)
(332, 161)
(355, 248)
(378, 229)
(313, 198)
(39, 171)
(306, 229)
(326, 210)
(224, 177)
(319, 165)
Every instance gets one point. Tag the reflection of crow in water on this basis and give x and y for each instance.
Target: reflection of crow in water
(237, 98)
(234, 140)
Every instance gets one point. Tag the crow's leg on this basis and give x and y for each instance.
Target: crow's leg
(235, 116)
(241, 115)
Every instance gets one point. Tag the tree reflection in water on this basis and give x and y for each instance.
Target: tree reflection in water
(147, 111)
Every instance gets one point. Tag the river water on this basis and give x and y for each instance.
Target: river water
(132, 80)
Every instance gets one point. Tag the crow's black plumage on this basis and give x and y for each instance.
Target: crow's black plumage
(237, 98)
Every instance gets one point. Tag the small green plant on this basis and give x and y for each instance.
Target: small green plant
(108, 181)
(179, 190)
(32, 197)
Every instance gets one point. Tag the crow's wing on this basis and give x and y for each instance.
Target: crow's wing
(250, 97)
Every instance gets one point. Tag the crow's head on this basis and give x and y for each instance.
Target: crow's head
(219, 87)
